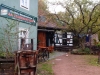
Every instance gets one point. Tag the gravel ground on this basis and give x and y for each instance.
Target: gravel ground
(68, 64)
(56, 54)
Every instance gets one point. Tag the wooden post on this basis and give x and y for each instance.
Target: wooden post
(32, 44)
(99, 57)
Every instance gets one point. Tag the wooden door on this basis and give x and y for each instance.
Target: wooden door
(41, 38)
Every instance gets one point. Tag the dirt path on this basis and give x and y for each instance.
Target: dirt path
(73, 65)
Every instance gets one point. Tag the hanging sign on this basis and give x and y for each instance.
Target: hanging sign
(14, 14)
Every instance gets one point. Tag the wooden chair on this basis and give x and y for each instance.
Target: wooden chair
(26, 62)
(50, 49)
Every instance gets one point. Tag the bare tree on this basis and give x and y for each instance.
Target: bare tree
(80, 17)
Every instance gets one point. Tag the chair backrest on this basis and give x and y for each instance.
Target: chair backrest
(27, 58)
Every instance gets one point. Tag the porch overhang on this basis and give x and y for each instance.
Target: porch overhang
(47, 30)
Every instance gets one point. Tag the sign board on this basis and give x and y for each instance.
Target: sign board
(25, 4)
(14, 14)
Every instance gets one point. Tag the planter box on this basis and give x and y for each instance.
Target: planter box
(7, 66)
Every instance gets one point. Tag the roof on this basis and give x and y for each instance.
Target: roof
(42, 23)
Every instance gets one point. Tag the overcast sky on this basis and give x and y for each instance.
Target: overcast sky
(57, 8)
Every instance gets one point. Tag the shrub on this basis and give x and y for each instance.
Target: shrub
(98, 44)
(87, 51)
(81, 51)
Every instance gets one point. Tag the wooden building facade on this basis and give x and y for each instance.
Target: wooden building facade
(46, 38)
(50, 37)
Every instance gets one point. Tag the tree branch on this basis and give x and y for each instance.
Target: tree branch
(95, 20)
(90, 16)
(61, 20)
(83, 19)
(70, 14)
(96, 31)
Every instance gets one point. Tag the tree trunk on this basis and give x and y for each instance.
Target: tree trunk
(82, 43)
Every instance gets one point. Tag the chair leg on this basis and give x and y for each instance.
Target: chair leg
(34, 73)
(29, 73)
